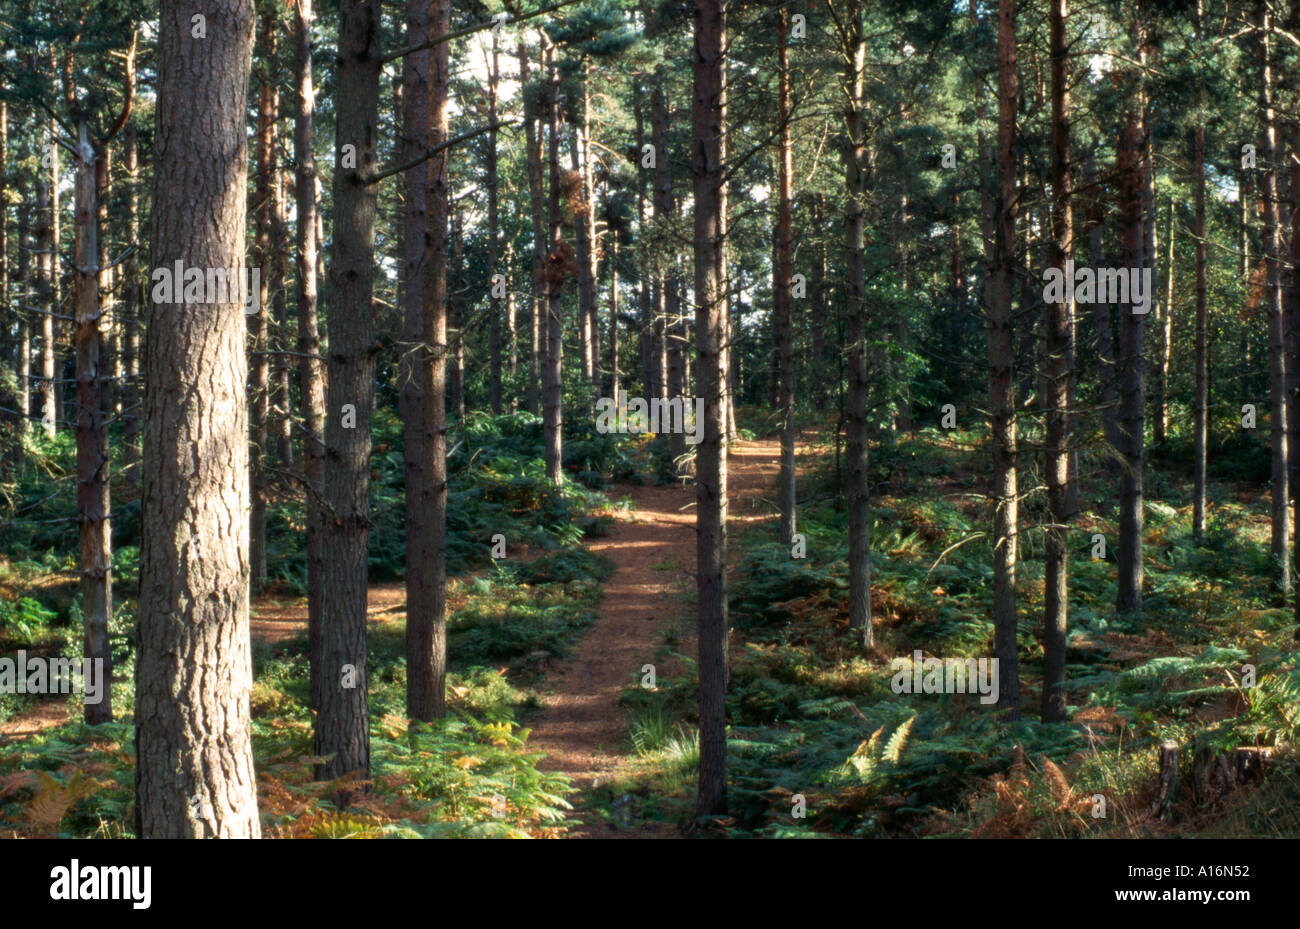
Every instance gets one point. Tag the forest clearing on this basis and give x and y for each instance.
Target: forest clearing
(618, 419)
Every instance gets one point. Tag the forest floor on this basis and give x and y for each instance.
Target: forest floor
(581, 727)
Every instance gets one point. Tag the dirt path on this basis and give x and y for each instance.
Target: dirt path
(581, 728)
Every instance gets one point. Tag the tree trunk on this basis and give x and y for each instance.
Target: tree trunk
(558, 261)
(1058, 322)
(132, 306)
(1165, 343)
(614, 384)
(281, 404)
(23, 363)
(259, 363)
(46, 264)
(96, 557)
(1201, 403)
(343, 722)
(311, 388)
(1001, 354)
(711, 468)
(494, 302)
(194, 759)
(537, 204)
(855, 172)
(1102, 318)
(425, 98)
(456, 311)
(1279, 515)
(1129, 168)
(781, 298)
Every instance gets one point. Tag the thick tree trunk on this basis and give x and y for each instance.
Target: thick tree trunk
(855, 172)
(711, 468)
(194, 759)
(1001, 353)
(1058, 322)
(781, 298)
(343, 722)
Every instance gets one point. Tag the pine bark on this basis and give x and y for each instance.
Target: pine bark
(94, 534)
(194, 760)
(711, 469)
(343, 721)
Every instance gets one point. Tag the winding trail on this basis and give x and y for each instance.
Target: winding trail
(581, 727)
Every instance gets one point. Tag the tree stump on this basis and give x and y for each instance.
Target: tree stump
(1167, 792)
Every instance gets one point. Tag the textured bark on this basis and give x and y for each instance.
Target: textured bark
(1128, 166)
(1279, 514)
(855, 415)
(1058, 321)
(426, 86)
(781, 298)
(343, 721)
(711, 468)
(1001, 353)
(94, 534)
(311, 387)
(194, 760)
